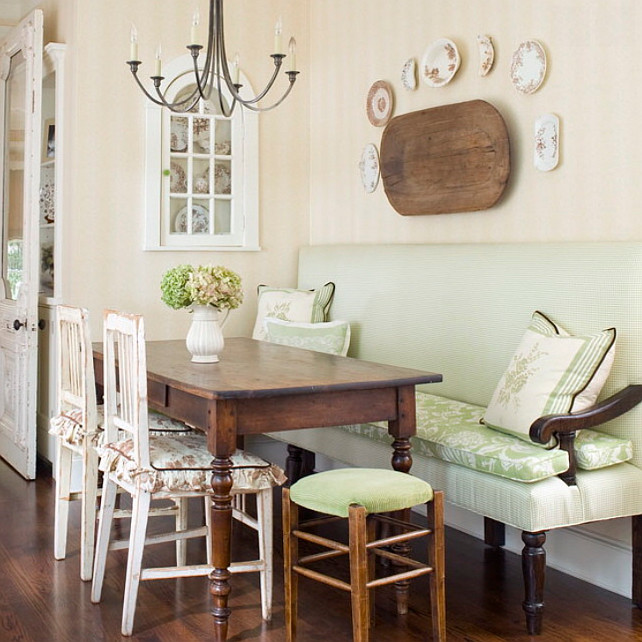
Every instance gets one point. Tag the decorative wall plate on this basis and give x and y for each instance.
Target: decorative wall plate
(177, 180)
(528, 67)
(440, 62)
(369, 167)
(200, 220)
(486, 54)
(379, 103)
(547, 142)
(409, 75)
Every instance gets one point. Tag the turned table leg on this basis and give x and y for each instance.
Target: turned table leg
(222, 528)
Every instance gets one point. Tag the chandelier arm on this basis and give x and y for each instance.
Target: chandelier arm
(251, 107)
(224, 68)
(133, 66)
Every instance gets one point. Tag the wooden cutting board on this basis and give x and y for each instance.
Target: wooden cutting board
(453, 158)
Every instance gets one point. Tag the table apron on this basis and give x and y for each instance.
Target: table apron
(257, 415)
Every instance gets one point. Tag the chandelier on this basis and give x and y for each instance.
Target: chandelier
(216, 70)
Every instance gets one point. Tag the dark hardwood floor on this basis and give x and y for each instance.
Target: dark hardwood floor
(42, 600)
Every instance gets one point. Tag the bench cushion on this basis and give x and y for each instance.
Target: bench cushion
(547, 375)
(451, 430)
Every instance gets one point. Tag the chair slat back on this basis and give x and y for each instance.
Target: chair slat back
(126, 373)
(76, 389)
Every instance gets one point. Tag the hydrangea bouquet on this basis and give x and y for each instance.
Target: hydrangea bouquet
(185, 285)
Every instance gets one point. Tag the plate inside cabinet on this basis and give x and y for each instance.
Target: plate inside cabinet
(200, 220)
(369, 167)
(528, 67)
(379, 103)
(486, 54)
(453, 158)
(547, 142)
(440, 62)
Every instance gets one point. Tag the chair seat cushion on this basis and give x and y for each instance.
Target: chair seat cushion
(69, 427)
(183, 464)
(376, 489)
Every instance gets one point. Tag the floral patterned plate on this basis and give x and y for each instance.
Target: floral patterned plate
(547, 142)
(369, 166)
(379, 103)
(177, 180)
(528, 67)
(440, 62)
(200, 220)
(409, 75)
(486, 54)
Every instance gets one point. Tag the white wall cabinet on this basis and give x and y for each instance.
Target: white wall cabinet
(201, 171)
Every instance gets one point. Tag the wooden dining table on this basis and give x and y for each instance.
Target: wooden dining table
(259, 387)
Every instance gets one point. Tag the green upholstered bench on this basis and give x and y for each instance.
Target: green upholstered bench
(461, 309)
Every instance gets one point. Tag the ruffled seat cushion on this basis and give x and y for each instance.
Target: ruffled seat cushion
(185, 465)
(68, 426)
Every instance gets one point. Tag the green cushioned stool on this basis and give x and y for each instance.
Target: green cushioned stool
(363, 495)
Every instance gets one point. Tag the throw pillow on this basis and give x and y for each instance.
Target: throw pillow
(288, 304)
(332, 337)
(549, 373)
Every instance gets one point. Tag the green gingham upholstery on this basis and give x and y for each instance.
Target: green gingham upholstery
(461, 310)
(377, 490)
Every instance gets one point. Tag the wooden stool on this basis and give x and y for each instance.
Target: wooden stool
(361, 494)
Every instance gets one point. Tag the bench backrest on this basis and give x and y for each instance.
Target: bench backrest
(461, 309)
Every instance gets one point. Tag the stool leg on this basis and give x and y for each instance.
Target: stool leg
(371, 534)
(290, 555)
(358, 573)
(437, 559)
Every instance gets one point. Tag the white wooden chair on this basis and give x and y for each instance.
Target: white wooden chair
(77, 426)
(149, 466)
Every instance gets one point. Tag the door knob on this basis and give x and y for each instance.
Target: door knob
(42, 324)
(18, 324)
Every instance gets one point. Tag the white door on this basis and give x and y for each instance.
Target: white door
(20, 155)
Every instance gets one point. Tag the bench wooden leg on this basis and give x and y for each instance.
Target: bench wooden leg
(494, 532)
(636, 541)
(534, 569)
(299, 463)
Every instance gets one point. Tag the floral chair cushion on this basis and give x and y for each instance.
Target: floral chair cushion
(288, 304)
(185, 465)
(68, 426)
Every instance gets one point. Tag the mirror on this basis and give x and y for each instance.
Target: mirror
(13, 180)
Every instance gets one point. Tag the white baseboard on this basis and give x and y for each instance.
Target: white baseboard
(567, 549)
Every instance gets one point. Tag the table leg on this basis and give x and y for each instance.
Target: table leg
(222, 529)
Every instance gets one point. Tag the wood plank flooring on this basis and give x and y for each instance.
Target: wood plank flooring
(42, 600)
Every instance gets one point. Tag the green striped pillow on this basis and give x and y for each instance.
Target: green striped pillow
(551, 372)
(289, 304)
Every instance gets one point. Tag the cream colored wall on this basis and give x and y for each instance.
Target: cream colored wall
(594, 85)
(105, 265)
